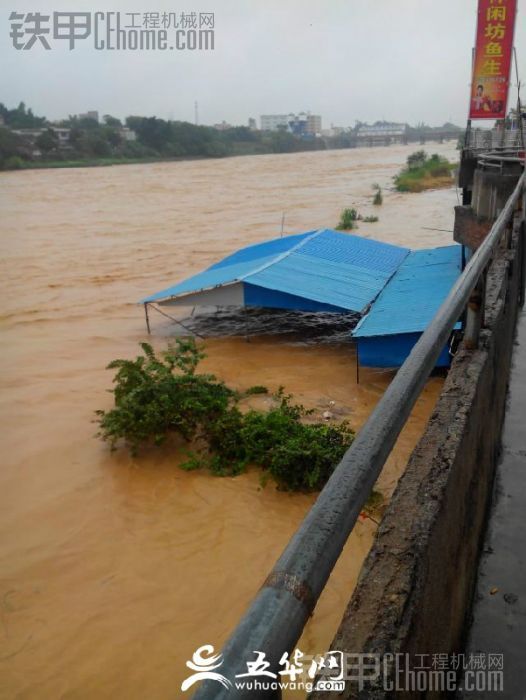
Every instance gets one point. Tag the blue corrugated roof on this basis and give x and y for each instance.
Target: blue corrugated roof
(324, 266)
(213, 277)
(274, 247)
(414, 294)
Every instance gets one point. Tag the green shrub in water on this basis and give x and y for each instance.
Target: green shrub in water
(378, 198)
(348, 219)
(158, 396)
(423, 172)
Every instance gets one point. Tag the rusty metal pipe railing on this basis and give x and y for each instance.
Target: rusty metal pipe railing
(276, 617)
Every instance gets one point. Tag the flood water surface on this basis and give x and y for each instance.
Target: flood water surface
(114, 569)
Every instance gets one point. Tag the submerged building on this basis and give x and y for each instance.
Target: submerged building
(396, 291)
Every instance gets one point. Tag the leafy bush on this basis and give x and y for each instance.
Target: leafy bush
(159, 396)
(416, 160)
(378, 198)
(423, 172)
(14, 151)
(152, 400)
(14, 163)
(348, 219)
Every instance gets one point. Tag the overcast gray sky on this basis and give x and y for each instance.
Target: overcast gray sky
(400, 60)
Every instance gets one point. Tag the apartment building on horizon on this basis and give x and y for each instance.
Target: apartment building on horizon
(302, 124)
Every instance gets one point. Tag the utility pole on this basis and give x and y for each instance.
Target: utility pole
(196, 113)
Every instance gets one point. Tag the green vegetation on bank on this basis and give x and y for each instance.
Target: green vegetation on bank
(21, 118)
(160, 396)
(80, 140)
(423, 172)
(19, 164)
(87, 142)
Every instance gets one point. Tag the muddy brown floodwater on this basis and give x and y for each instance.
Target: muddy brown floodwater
(113, 569)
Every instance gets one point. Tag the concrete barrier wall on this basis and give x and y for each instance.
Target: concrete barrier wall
(416, 585)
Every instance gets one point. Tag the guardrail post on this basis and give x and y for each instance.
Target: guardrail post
(475, 314)
(521, 212)
(509, 233)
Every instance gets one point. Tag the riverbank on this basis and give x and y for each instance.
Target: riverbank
(98, 162)
(433, 183)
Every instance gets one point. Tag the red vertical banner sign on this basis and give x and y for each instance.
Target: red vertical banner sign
(492, 63)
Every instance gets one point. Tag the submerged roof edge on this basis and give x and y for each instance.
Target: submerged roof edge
(278, 258)
(190, 292)
(247, 271)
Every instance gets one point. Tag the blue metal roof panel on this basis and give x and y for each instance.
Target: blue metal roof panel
(414, 294)
(236, 266)
(275, 247)
(325, 266)
(210, 278)
(354, 250)
(334, 268)
(344, 285)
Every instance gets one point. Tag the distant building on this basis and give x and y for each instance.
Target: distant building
(127, 134)
(298, 124)
(514, 118)
(31, 135)
(334, 131)
(302, 124)
(90, 115)
(384, 133)
(273, 122)
(62, 135)
(314, 124)
(252, 124)
(223, 126)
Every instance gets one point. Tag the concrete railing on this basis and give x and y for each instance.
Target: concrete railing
(275, 619)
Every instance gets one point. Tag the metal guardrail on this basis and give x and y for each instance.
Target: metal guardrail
(275, 619)
(498, 159)
(488, 139)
